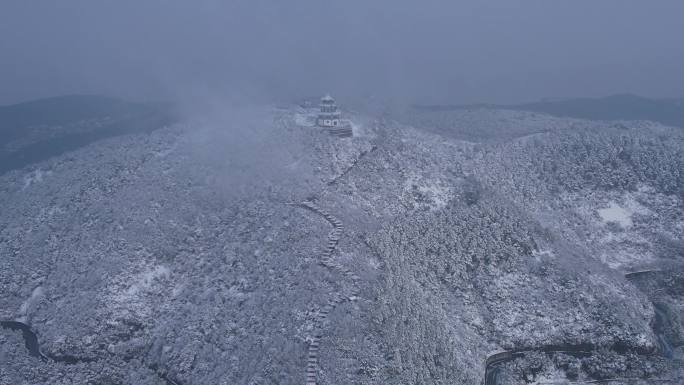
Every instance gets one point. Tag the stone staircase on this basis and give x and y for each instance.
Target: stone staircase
(342, 131)
(312, 362)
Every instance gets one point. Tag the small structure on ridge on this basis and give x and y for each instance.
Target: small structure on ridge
(330, 117)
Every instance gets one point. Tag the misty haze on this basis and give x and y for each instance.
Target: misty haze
(262, 192)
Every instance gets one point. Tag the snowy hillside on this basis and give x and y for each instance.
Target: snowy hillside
(253, 247)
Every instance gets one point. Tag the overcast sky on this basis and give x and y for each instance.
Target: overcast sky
(438, 51)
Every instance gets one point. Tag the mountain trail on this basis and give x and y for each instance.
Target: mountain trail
(312, 360)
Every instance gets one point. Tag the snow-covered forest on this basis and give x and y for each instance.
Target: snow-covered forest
(183, 256)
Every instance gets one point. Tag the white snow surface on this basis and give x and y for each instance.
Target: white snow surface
(305, 119)
(616, 213)
(36, 295)
(35, 177)
(128, 292)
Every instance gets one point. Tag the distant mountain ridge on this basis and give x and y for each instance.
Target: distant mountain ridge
(62, 109)
(616, 107)
(36, 130)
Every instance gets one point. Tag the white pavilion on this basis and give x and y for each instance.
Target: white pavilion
(329, 115)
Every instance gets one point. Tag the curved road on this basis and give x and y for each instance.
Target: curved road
(491, 376)
(33, 347)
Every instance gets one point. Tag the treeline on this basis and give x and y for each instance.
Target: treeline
(428, 260)
(584, 159)
(462, 240)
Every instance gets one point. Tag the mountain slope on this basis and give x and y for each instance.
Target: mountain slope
(34, 131)
(182, 254)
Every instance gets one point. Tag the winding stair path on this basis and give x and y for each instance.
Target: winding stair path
(312, 361)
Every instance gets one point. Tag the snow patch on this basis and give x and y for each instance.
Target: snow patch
(440, 195)
(129, 293)
(636, 216)
(36, 295)
(539, 255)
(622, 214)
(616, 213)
(356, 129)
(35, 177)
(305, 119)
(436, 194)
(146, 279)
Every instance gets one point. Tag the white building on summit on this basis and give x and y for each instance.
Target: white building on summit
(329, 115)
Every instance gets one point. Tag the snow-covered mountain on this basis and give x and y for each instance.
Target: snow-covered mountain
(249, 247)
